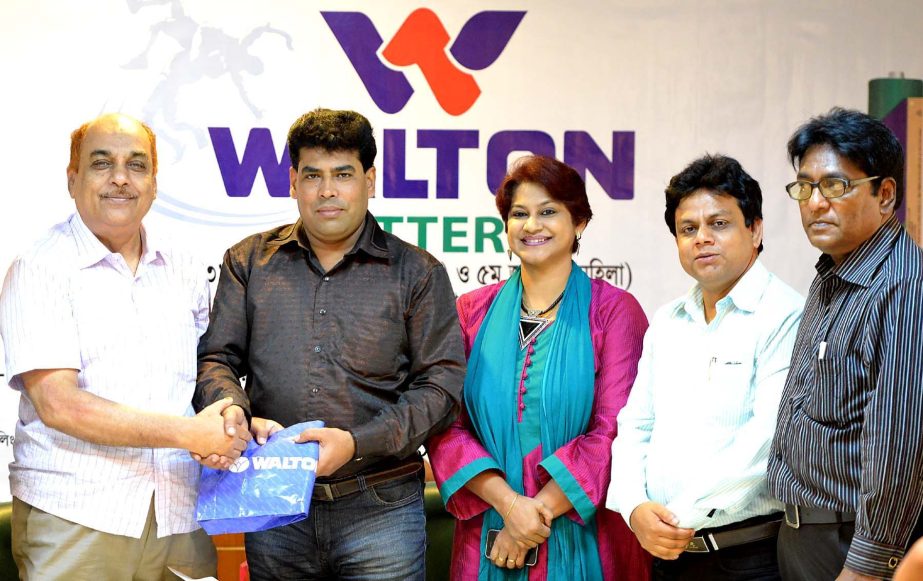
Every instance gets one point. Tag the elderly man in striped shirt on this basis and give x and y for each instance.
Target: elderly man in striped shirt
(100, 320)
(847, 457)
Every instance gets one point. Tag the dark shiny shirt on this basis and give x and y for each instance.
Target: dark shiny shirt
(850, 429)
(371, 346)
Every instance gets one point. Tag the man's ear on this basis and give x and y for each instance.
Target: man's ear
(887, 196)
(370, 181)
(71, 178)
(756, 231)
(292, 177)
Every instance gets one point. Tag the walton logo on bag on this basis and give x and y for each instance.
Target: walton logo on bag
(422, 40)
(240, 464)
(274, 462)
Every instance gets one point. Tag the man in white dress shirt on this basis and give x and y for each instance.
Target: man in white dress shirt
(689, 462)
(100, 322)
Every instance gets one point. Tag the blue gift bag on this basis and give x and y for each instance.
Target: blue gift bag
(268, 486)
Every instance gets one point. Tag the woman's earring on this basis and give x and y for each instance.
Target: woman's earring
(509, 252)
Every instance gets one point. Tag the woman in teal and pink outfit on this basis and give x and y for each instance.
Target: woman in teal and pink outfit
(552, 356)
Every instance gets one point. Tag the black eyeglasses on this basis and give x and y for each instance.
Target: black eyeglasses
(829, 187)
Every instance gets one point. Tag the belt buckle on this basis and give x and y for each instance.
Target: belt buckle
(328, 491)
(697, 545)
(792, 516)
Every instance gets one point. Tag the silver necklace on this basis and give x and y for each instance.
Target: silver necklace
(540, 312)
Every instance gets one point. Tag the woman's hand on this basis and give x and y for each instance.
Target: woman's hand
(507, 553)
(528, 522)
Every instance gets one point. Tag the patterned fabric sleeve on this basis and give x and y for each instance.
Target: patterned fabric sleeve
(456, 454)
(223, 349)
(892, 446)
(582, 466)
(37, 322)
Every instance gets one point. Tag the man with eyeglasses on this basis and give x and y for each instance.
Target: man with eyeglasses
(847, 456)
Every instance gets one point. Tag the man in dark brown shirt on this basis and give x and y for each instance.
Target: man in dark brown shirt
(333, 319)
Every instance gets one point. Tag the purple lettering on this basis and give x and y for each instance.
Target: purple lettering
(614, 174)
(617, 177)
(259, 154)
(396, 184)
(447, 144)
(502, 144)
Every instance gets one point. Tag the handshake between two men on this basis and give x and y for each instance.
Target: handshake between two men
(337, 446)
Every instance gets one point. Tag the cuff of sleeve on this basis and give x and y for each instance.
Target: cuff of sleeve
(370, 441)
(206, 397)
(15, 371)
(625, 508)
(624, 497)
(569, 485)
(872, 558)
(463, 475)
(690, 517)
(238, 398)
(244, 402)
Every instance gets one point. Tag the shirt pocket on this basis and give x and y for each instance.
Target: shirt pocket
(729, 390)
(377, 349)
(835, 397)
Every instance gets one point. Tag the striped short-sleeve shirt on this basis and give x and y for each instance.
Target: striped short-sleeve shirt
(70, 303)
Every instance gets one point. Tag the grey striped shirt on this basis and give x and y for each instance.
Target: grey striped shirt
(850, 429)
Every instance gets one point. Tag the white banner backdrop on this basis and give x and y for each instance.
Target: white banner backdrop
(630, 91)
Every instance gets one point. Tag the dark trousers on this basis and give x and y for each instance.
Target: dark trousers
(814, 551)
(819, 551)
(754, 561)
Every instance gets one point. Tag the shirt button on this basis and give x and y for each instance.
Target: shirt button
(315, 390)
(326, 279)
(322, 311)
(317, 348)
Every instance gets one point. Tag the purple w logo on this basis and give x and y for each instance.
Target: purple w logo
(422, 40)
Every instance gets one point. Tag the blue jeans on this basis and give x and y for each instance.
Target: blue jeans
(377, 534)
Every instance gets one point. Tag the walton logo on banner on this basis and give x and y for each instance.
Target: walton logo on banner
(422, 40)
(206, 53)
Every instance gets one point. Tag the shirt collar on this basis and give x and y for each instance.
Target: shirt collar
(863, 262)
(91, 251)
(152, 247)
(748, 291)
(745, 295)
(372, 240)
